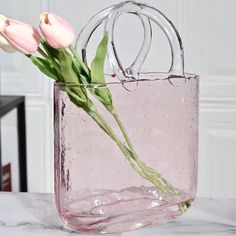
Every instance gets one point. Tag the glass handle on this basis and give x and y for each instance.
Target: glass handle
(146, 14)
(176, 45)
(87, 31)
(133, 70)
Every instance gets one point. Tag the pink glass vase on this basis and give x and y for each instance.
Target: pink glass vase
(134, 166)
(97, 189)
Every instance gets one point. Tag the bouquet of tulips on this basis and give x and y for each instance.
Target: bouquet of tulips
(59, 60)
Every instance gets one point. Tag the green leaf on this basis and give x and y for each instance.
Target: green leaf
(45, 67)
(75, 98)
(69, 76)
(97, 66)
(52, 52)
(66, 67)
(97, 73)
(79, 62)
(80, 72)
(77, 66)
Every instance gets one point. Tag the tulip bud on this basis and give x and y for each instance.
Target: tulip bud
(4, 44)
(19, 35)
(57, 32)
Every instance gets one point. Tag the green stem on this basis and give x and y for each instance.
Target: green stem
(183, 206)
(127, 153)
(122, 128)
(140, 167)
(51, 61)
(148, 170)
(44, 54)
(76, 55)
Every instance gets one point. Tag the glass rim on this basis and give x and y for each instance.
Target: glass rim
(157, 76)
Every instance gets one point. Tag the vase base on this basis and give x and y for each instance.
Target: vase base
(107, 211)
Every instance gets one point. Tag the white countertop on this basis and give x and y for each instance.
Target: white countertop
(26, 214)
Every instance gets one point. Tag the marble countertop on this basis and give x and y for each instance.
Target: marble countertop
(26, 214)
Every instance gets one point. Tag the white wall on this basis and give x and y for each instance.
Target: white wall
(19, 77)
(206, 27)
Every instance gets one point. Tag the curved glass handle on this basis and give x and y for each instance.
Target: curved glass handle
(119, 71)
(133, 70)
(145, 13)
(177, 52)
(87, 31)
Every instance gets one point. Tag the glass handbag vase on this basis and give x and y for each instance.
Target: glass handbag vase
(134, 165)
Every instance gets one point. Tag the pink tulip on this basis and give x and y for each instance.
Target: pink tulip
(4, 44)
(57, 32)
(21, 36)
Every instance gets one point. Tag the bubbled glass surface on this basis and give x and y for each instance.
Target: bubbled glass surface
(97, 190)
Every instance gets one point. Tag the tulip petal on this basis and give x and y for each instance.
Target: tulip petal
(49, 35)
(57, 36)
(57, 32)
(23, 37)
(57, 20)
(5, 45)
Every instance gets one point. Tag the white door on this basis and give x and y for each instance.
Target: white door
(208, 32)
